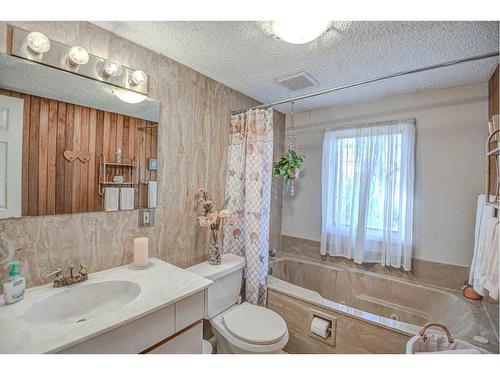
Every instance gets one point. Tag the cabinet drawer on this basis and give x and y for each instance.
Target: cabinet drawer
(188, 342)
(132, 337)
(189, 310)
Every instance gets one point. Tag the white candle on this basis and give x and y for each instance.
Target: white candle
(140, 251)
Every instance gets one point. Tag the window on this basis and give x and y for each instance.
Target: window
(367, 193)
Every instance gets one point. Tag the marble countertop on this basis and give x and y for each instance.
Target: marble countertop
(161, 285)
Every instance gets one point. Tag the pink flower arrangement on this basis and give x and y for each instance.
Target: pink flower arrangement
(210, 218)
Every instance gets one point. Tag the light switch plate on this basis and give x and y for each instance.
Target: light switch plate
(146, 217)
(153, 164)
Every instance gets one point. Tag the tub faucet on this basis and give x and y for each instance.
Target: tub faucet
(64, 280)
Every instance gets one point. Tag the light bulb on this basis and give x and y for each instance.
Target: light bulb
(138, 77)
(111, 69)
(299, 31)
(78, 56)
(128, 96)
(38, 42)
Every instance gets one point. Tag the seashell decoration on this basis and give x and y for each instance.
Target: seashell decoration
(254, 237)
(236, 233)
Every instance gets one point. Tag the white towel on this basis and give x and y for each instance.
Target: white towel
(127, 198)
(491, 277)
(483, 212)
(152, 191)
(111, 199)
(486, 279)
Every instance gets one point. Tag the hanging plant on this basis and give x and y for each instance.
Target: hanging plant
(289, 165)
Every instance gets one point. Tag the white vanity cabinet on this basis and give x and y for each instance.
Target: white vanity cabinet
(119, 310)
(188, 342)
(176, 328)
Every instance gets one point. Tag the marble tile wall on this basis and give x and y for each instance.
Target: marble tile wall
(433, 273)
(193, 138)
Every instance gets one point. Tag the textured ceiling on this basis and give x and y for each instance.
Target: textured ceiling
(244, 56)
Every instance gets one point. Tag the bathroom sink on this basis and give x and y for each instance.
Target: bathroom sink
(80, 303)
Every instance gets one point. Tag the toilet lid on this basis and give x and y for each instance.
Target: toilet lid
(254, 324)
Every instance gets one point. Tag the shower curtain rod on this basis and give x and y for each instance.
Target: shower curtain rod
(360, 83)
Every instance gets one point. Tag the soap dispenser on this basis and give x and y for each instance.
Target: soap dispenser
(13, 289)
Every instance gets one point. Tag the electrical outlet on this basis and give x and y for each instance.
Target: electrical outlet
(146, 217)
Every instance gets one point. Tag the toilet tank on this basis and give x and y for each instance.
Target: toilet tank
(225, 290)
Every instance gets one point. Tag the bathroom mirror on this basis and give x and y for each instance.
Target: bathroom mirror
(66, 141)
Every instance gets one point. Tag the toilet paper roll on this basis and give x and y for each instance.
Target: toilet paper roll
(320, 327)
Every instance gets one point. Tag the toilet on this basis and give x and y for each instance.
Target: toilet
(240, 328)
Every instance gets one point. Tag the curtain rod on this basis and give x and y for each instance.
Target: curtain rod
(360, 83)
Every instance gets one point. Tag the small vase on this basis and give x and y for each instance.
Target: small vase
(215, 253)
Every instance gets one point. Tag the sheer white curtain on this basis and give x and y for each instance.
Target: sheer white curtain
(367, 193)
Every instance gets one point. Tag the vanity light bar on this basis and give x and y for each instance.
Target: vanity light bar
(35, 46)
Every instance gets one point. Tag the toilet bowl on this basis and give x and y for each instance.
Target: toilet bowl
(247, 329)
(238, 328)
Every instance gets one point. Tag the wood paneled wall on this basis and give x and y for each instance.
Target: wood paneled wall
(53, 185)
(493, 94)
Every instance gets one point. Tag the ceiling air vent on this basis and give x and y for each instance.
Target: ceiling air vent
(298, 81)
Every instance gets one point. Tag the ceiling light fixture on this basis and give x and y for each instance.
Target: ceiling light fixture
(78, 56)
(138, 77)
(111, 69)
(38, 42)
(299, 31)
(128, 96)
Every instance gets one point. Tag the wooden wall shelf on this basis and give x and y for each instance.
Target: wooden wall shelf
(104, 167)
(492, 145)
(493, 170)
(494, 152)
(121, 164)
(119, 183)
(494, 205)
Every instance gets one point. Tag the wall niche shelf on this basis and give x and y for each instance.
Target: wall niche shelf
(492, 162)
(107, 170)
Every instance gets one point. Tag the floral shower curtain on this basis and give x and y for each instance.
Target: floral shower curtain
(248, 185)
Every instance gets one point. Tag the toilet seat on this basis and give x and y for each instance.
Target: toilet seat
(241, 345)
(254, 324)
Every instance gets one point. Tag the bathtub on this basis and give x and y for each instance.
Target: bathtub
(374, 313)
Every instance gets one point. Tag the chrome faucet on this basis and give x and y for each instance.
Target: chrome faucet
(64, 280)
